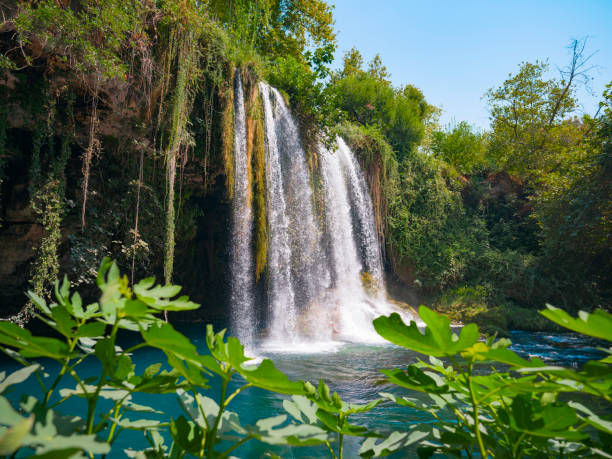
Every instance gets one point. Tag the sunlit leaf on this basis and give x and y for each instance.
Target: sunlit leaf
(438, 339)
(414, 378)
(16, 377)
(267, 376)
(593, 419)
(272, 431)
(334, 423)
(394, 442)
(10, 417)
(597, 324)
(11, 438)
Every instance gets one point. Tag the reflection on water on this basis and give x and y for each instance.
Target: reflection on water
(352, 370)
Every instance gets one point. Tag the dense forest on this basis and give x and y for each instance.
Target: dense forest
(116, 140)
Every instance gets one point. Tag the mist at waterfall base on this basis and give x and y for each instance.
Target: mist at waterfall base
(321, 245)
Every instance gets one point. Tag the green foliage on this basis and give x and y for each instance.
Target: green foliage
(598, 324)
(398, 113)
(246, 20)
(47, 198)
(429, 225)
(257, 149)
(295, 26)
(438, 341)
(89, 40)
(460, 147)
(573, 211)
(314, 102)
(527, 114)
(519, 409)
(368, 98)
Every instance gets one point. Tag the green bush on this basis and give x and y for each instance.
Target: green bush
(521, 408)
(397, 112)
(460, 146)
(429, 225)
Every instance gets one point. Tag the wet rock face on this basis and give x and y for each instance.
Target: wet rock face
(20, 235)
(18, 243)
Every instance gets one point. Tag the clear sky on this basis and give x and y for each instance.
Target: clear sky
(455, 50)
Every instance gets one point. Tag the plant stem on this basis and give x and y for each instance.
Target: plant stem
(236, 392)
(234, 446)
(65, 367)
(483, 450)
(340, 437)
(516, 447)
(92, 402)
(331, 450)
(213, 432)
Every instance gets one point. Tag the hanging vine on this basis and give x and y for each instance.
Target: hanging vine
(92, 147)
(48, 197)
(179, 136)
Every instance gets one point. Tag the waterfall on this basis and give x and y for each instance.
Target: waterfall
(364, 210)
(324, 277)
(297, 272)
(241, 264)
(350, 224)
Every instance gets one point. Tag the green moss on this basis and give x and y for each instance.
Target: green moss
(256, 151)
(226, 96)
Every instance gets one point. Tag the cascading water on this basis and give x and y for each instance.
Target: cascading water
(297, 272)
(346, 194)
(364, 210)
(241, 264)
(316, 265)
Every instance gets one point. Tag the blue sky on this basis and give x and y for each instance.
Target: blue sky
(455, 50)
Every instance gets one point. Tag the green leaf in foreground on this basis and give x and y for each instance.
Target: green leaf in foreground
(267, 376)
(415, 379)
(597, 324)
(16, 377)
(31, 346)
(438, 339)
(11, 438)
(394, 442)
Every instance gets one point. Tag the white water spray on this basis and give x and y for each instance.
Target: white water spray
(241, 264)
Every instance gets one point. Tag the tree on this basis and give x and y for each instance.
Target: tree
(528, 116)
(369, 99)
(377, 70)
(353, 63)
(460, 146)
(574, 213)
(295, 26)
